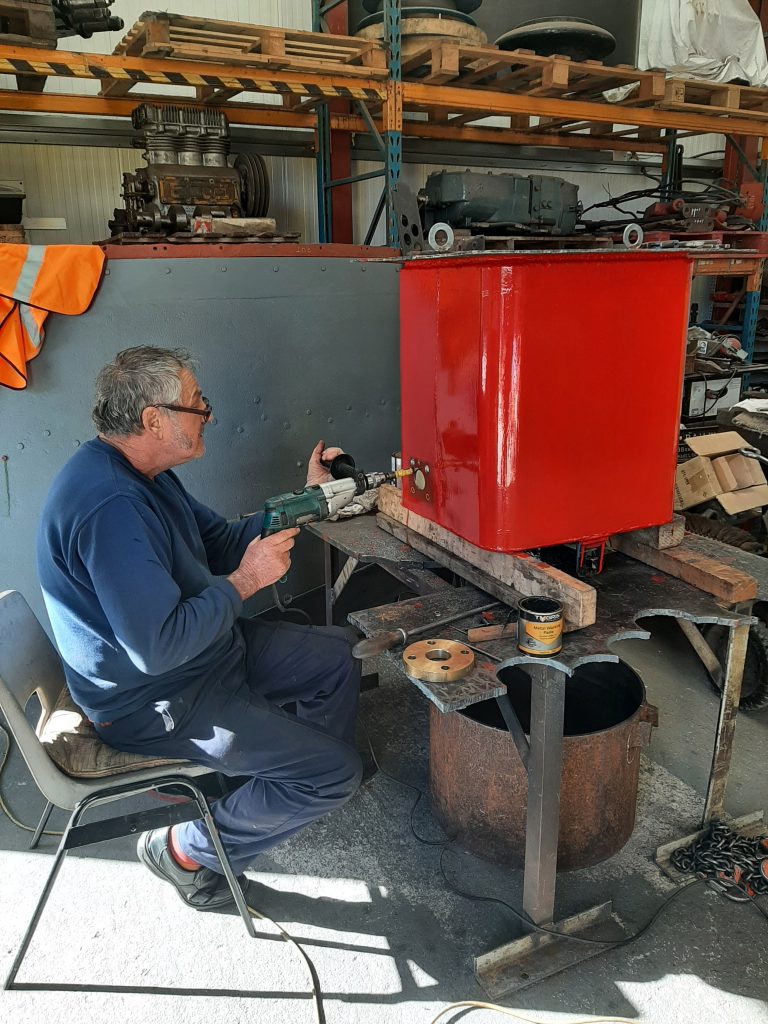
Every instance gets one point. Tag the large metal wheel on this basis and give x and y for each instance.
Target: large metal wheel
(576, 38)
(254, 184)
(754, 689)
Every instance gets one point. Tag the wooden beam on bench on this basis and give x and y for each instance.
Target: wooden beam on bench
(520, 571)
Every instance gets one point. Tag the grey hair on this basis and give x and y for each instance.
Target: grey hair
(136, 378)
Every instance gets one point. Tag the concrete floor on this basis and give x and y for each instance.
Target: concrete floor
(390, 942)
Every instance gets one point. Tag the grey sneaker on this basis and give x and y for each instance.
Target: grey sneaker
(203, 889)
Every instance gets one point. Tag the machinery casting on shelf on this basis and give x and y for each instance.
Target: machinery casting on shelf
(188, 178)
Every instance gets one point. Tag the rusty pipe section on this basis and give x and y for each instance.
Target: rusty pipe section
(479, 783)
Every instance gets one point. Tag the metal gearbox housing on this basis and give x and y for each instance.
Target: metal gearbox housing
(469, 199)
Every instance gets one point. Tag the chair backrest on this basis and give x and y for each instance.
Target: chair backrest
(29, 663)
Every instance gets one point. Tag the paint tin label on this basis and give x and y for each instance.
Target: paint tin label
(540, 637)
(540, 626)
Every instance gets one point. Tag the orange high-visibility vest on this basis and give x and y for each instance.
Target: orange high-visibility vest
(36, 280)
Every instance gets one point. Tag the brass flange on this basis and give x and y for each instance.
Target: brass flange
(438, 661)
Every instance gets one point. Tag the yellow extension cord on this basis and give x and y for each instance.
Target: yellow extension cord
(472, 1004)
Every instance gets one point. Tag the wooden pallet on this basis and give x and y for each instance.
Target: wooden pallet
(715, 98)
(522, 71)
(251, 46)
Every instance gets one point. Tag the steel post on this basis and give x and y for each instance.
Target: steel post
(752, 300)
(393, 136)
(545, 766)
(726, 723)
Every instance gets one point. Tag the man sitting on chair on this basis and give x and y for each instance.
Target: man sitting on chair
(145, 587)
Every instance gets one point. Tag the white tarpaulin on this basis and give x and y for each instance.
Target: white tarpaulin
(718, 40)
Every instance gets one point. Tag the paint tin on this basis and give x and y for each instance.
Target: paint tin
(539, 626)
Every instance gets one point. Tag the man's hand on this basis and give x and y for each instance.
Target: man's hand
(266, 560)
(317, 473)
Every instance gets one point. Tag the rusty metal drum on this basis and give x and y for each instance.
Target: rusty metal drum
(479, 785)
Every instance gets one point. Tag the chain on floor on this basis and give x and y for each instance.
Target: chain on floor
(738, 863)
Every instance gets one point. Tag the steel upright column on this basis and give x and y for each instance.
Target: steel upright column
(752, 300)
(393, 111)
(323, 155)
(545, 769)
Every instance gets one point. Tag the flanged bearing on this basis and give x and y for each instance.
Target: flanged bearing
(438, 661)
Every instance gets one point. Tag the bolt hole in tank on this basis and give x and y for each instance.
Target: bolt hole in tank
(479, 786)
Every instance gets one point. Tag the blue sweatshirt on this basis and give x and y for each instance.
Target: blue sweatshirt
(132, 575)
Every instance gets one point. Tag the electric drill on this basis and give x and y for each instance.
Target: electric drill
(320, 501)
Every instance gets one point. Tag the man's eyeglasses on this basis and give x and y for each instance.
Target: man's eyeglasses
(206, 413)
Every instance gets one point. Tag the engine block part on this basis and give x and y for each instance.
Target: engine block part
(187, 173)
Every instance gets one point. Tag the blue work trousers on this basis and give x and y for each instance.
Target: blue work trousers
(287, 720)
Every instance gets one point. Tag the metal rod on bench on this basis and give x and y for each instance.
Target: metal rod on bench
(516, 730)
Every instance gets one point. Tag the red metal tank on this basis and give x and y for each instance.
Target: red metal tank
(541, 393)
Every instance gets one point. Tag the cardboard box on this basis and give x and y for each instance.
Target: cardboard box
(719, 471)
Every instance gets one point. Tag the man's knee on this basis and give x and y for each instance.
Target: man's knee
(337, 653)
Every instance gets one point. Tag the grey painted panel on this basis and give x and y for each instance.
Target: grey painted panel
(290, 351)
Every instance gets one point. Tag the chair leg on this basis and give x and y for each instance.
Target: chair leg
(41, 825)
(226, 867)
(57, 862)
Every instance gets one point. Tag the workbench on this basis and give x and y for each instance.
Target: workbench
(627, 592)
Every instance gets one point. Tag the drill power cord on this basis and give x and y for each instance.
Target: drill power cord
(315, 990)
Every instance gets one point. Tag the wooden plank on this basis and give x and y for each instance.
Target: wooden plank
(156, 37)
(467, 571)
(713, 577)
(117, 87)
(217, 55)
(210, 94)
(519, 571)
(668, 535)
(444, 64)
